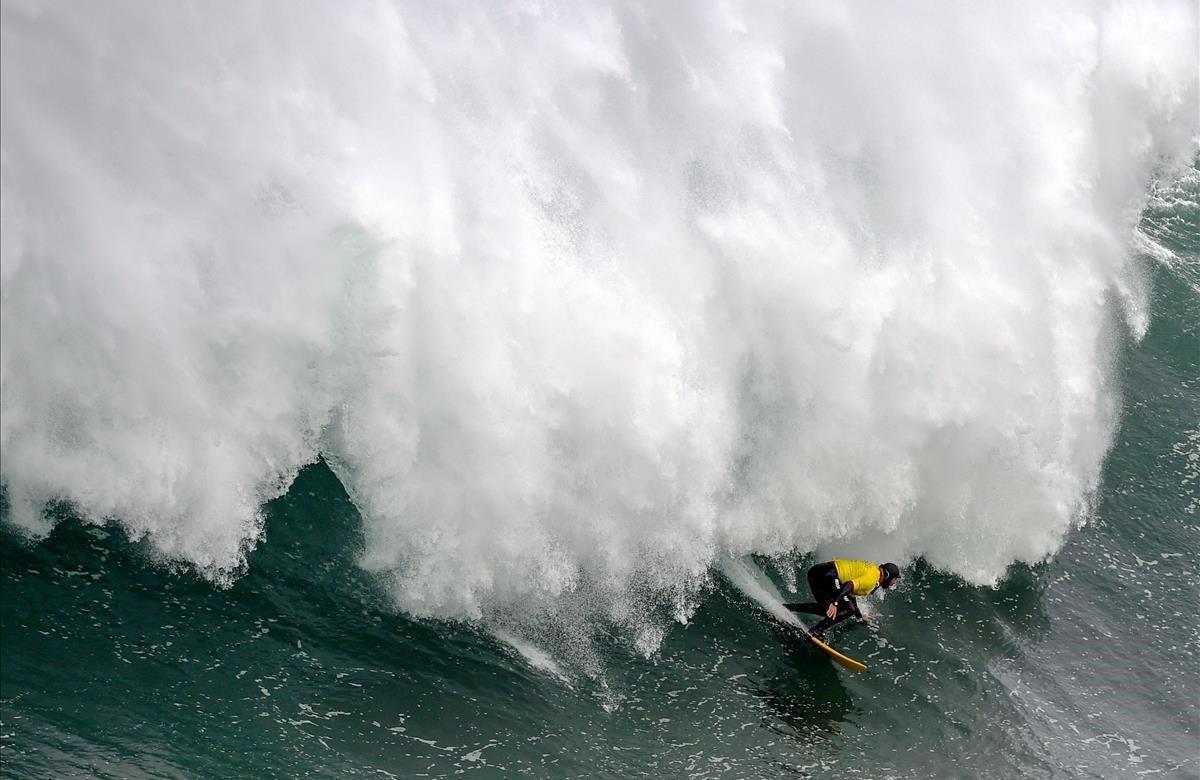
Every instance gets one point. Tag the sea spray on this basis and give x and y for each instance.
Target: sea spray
(579, 301)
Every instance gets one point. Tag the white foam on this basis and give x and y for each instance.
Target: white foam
(750, 580)
(580, 300)
(535, 656)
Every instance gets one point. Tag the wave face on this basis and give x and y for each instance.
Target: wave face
(579, 301)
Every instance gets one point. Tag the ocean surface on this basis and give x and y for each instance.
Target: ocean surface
(415, 390)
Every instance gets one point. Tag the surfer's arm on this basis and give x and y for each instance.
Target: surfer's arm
(843, 591)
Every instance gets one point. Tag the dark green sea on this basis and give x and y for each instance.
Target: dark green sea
(318, 464)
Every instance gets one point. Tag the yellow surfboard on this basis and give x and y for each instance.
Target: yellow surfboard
(844, 660)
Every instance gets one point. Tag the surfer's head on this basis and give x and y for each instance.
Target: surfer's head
(889, 574)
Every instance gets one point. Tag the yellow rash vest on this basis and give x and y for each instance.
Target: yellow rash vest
(864, 575)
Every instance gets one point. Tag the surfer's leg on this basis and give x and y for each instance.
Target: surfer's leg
(843, 613)
(809, 607)
(827, 623)
(822, 581)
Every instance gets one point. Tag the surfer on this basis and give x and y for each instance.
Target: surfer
(836, 583)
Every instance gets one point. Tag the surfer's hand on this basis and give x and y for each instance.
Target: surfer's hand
(831, 611)
(865, 619)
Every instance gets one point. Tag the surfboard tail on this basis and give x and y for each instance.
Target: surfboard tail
(844, 660)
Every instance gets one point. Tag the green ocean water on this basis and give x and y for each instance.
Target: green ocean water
(420, 389)
(112, 665)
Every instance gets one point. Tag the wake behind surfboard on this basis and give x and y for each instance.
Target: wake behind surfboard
(750, 580)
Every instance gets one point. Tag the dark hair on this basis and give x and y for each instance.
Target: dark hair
(890, 572)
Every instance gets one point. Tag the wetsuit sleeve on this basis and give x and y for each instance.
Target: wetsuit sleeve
(854, 606)
(842, 591)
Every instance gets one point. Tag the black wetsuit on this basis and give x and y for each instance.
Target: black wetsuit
(827, 589)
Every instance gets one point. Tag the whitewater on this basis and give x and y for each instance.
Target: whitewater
(579, 302)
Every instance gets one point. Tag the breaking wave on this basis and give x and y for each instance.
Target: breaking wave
(578, 302)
